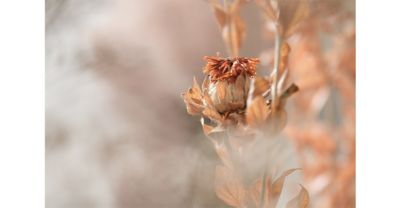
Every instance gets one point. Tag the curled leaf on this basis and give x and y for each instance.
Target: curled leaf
(302, 200)
(193, 99)
(277, 186)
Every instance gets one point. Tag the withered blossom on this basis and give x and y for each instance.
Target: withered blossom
(224, 93)
(232, 94)
(229, 68)
(229, 81)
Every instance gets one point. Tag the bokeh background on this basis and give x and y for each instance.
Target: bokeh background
(117, 131)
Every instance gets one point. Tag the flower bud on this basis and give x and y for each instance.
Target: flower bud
(229, 81)
(229, 96)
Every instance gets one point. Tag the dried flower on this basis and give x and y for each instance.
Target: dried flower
(230, 81)
(232, 94)
(229, 68)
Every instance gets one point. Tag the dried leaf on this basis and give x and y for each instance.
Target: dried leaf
(261, 86)
(254, 192)
(196, 89)
(277, 186)
(191, 106)
(302, 200)
(206, 83)
(269, 9)
(193, 99)
(257, 113)
(232, 26)
(301, 12)
(277, 122)
(228, 187)
(212, 114)
(286, 14)
(219, 12)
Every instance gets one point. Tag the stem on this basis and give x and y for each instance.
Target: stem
(228, 20)
(277, 60)
(262, 198)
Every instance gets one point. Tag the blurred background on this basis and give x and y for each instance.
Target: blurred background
(117, 131)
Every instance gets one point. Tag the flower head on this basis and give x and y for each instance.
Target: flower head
(230, 81)
(232, 94)
(229, 69)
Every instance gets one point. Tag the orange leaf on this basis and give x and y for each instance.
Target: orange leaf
(193, 99)
(277, 186)
(228, 187)
(257, 112)
(261, 86)
(302, 200)
(212, 114)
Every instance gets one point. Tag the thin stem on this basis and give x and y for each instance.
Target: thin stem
(228, 20)
(277, 60)
(262, 197)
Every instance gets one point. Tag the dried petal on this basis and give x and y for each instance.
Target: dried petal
(229, 68)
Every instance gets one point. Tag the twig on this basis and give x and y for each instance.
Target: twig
(275, 73)
(228, 20)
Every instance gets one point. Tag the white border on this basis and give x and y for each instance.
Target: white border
(378, 103)
(22, 104)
